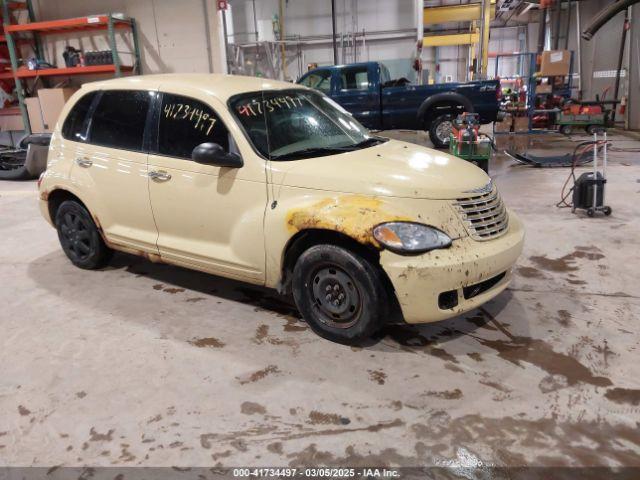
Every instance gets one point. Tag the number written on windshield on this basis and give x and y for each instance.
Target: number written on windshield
(255, 107)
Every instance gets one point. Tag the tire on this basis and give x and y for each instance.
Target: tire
(440, 129)
(591, 212)
(341, 295)
(565, 129)
(79, 237)
(591, 129)
(607, 211)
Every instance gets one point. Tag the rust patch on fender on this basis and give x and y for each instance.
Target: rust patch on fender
(44, 195)
(353, 215)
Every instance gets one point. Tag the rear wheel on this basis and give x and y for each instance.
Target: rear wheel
(341, 294)
(440, 130)
(79, 236)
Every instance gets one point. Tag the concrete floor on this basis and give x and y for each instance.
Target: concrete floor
(148, 364)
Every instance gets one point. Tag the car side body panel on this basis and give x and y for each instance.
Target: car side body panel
(210, 217)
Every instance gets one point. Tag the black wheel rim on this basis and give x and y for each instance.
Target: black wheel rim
(336, 297)
(76, 236)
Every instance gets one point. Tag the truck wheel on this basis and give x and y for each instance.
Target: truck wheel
(80, 238)
(565, 129)
(341, 295)
(440, 129)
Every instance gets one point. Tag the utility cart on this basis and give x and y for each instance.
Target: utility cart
(467, 143)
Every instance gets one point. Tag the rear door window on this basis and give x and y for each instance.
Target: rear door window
(185, 123)
(74, 127)
(119, 119)
(354, 78)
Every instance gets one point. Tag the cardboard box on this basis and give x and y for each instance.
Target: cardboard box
(544, 88)
(505, 125)
(521, 124)
(52, 101)
(35, 114)
(555, 62)
(11, 122)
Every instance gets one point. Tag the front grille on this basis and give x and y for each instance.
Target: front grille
(484, 216)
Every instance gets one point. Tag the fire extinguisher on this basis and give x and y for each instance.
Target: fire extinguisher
(623, 105)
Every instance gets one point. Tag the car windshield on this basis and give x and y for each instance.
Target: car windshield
(294, 124)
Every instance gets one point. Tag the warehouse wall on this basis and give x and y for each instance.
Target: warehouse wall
(173, 35)
(176, 37)
(599, 56)
(309, 18)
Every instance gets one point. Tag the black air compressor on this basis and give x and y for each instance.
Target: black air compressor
(583, 190)
(588, 188)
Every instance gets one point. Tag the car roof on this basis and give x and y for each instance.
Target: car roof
(220, 85)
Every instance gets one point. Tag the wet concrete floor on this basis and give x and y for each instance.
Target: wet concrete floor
(148, 364)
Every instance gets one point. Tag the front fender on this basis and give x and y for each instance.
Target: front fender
(349, 214)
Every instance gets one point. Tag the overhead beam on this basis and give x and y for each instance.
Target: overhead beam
(456, 13)
(451, 39)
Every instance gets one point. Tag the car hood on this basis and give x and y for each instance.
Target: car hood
(393, 169)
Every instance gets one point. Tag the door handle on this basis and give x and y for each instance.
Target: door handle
(159, 176)
(84, 162)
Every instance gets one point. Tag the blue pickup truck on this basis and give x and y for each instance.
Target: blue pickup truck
(380, 103)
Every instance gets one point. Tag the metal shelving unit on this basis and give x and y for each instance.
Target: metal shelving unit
(13, 34)
(532, 81)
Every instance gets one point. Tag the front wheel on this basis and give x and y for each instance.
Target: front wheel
(341, 294)
(440, 130)
(79, 236)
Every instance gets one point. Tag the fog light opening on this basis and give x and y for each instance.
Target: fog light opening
(448, 300)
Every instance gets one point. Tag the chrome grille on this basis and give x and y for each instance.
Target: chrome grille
(484, 216)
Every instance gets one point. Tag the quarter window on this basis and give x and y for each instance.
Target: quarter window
(185, 123)
(74, 125)
(119, 119)
(318, 80)
(354, 78)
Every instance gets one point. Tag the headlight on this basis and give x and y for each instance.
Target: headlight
(410, 238)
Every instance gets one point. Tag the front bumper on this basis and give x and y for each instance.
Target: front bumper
(420, 280)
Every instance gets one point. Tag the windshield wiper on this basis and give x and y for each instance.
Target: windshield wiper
(309, 152)
(320, 151)
(369, 142)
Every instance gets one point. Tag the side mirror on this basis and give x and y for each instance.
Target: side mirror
(213, 154)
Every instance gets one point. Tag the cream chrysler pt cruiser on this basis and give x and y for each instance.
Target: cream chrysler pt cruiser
(277, 185)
